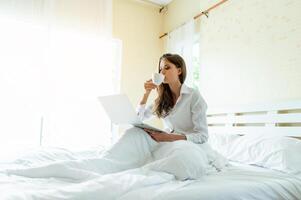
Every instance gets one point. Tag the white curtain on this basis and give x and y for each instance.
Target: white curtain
(181, 41)
(56, 57)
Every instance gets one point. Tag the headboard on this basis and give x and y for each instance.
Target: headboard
(275, 118)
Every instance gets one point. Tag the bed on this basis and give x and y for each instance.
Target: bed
(254, 170)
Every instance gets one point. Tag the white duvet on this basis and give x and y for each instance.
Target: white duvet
(235, 183)
(110, 186)
(136, 161)
(124, 173)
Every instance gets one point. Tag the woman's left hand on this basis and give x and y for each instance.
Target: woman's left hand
(164, 137)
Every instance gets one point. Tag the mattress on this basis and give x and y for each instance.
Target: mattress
(237, 181)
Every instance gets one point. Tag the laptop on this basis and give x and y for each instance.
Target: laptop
(120, 111)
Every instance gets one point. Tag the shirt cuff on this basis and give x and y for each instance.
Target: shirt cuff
(140, 108)
(189, 137)
(195, 138)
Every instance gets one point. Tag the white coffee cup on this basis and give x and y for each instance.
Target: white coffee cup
(157, 78)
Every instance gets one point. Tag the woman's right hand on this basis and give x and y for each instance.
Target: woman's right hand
(149, 86)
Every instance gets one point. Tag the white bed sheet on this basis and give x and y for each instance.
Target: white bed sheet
(236, 182)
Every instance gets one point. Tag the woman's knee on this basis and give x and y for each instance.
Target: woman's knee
(132, 132)
(129, 137)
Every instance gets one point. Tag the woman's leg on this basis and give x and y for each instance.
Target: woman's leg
(135, 146)
(130, 151)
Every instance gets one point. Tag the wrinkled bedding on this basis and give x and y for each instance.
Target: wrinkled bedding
(139, 169)
(183, 159)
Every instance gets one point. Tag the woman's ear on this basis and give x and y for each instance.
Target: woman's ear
(179, 71)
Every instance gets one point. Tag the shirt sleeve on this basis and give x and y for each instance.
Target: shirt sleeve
(199, 120)
(144, 112)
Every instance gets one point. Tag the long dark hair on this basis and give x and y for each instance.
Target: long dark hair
(164, 102)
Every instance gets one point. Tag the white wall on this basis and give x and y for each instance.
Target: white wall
(250, 50)
(138, 25)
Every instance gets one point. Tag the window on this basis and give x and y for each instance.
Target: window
(196, 65)
(185, 41)
(50, 77)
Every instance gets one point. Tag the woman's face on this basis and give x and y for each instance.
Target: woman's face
(170, 71)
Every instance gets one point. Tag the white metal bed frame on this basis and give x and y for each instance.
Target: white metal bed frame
(274, 118)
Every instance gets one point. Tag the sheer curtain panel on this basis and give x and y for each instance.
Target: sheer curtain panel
(56, 57)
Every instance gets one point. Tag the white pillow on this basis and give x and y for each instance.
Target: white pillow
(183, 159)
(273, 152)
(221, 141)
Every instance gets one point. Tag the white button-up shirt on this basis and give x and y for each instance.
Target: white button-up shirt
(187, 117)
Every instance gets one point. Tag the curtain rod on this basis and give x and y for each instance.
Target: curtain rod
(206, 12)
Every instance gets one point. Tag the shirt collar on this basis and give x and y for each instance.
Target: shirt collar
(184, 89)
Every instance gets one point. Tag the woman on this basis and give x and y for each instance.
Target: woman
(183, 111)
